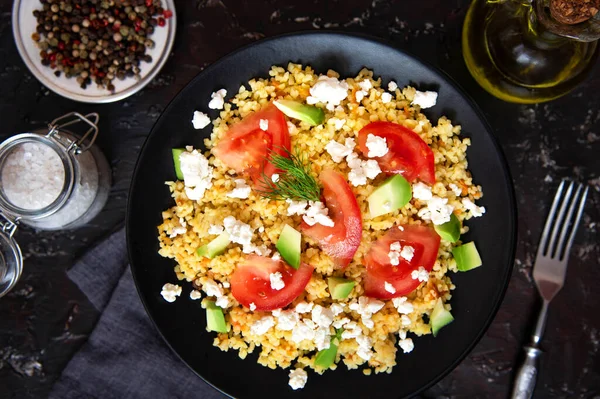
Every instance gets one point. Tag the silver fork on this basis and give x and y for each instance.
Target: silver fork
(549, 272)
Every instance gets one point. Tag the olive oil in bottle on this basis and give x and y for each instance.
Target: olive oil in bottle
(516, 58)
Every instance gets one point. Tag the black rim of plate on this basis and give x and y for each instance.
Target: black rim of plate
(512, 222)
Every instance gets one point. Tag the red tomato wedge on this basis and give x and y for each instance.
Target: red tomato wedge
(250, 282)
(425, 242)
(246, 147)
(408, 154)
(342, 240)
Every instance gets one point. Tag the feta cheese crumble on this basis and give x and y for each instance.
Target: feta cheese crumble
(170, 292)
(455, 189)
(239, 232)
(425, 99)
(304, 330)
(276, 281)
(361, 170)
(275, 177)
(177, 231)
(386, 98)
(407, 345)
(276, 256)
(296, 207)
(476, 211)
(421, 191)
(262, 325)
(298, 378)
(304, 307)
(252, 306)
(389, 288)
(197, 173)
(212, 288)
(377, 146)
(330, 91)
(420, 274)
(360, 95)
(217, 99)
(337, 123)
(317, 213)
(405, 320)
(322, 317)
(366, 307)
(241, 190)
(322, 338)
(215, 229)
(407, 253)
(195, 294)
(339, 151)
(437, 210)
(402, 305)
(200, 120)
(392, 86)
(263, 124)
(292, 129)
(286, 319)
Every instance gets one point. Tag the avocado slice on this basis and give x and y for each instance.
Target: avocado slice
(326, 357)
(439, 317)
(215, 320)
(393, 194)
(215, 247)
(449, 231)
(176, 153)
(307, 113)
(467, 257)
(288, 246)
(339, 287)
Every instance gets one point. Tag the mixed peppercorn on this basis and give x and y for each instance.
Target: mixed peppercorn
(97, 40)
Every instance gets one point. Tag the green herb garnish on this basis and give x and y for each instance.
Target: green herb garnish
(295, 180)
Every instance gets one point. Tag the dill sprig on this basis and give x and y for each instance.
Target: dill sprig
(295, 180)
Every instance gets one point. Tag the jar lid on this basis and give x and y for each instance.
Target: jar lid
(36, 176)
(11, 259)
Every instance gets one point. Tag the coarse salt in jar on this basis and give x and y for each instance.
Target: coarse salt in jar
(50, 180)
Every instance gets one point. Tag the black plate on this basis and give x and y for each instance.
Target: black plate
(182, 324)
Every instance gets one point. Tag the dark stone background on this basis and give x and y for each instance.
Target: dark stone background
(46, 319)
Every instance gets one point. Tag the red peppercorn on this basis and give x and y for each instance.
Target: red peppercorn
(167, 13)
(52, 57)
(105, 22)
(161, 21)
(61, 45)
(76, 42)
(148, 3)
(116, 27)
(92, 10)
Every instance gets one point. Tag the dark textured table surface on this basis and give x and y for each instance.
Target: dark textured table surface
(46, 319)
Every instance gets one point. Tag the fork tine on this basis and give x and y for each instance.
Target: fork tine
(575, 223)
(565, 227)
(544, 240)
(559, 220)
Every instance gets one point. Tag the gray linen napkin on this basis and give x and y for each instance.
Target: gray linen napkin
(124, 356)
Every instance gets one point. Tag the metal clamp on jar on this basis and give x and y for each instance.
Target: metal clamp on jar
(50, 180)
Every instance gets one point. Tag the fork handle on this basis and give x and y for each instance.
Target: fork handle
(527, 374)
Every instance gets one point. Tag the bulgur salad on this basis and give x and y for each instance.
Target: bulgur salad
(321, 220)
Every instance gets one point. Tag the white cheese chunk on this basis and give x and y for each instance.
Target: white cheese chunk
(322, 317)
(200, 120)
(262, 325)
(377, 146)
(317, 213)
(217, 99)
(239, 232)
(389, 288)
(386, 98)
(455, 189)
(402, 305)
(298, 378)
(392, 86)
(407, 345)
(437, 210)
(421, 191)
(276, 280)
(420, 274)
(195, 294)
(170, 292)
(329, 91)
(339, 151)
(476, 211)
(197, 174)
(241, 190)
(263, 124)
(407, 253)
(425, 99)
(296, 207)
(215, 229)
(252, 307)
(304, 307)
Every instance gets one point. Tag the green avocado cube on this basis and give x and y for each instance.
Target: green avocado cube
(307, 113)
(449, 231)
(466, 256)
(288, 246)
(215, 320)
(215, 247)
(439, 317)
(176, 153)
(393, 194)
(339, 287)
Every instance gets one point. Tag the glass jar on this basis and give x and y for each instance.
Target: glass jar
(49, 180)
(518, 52)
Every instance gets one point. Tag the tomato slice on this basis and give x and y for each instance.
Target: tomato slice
(342, 240)
(246, 147)
(426, 243)
(408, 154)
(250, 282)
